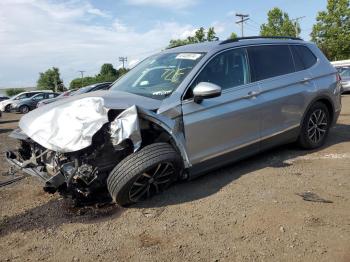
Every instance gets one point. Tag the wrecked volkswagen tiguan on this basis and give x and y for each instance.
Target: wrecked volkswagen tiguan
(178, 114)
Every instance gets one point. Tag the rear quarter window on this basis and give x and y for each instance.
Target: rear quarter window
(270, 61)
(303, 57)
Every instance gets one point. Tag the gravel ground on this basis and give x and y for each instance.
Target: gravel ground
(250, 211)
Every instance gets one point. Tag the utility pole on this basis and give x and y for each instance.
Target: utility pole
(243, 18)
(123, 60)
(296, 21)
(82, 77)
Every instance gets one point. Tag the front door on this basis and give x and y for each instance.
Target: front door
(218, 126)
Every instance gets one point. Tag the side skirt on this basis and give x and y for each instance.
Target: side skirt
(205, 167)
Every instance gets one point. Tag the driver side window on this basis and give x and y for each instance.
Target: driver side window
(228, 69)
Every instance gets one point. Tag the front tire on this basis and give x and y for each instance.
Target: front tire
(144, 174)
(8, 108)
(315, 127)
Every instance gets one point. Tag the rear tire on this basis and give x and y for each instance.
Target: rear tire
(315, 127)
(144, 174)
(24, 109)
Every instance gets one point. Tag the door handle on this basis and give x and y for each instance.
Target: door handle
(306, 80)
(252, 94)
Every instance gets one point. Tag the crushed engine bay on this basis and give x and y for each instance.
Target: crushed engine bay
(75, 153)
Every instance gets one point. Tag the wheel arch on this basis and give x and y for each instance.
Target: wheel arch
(327, 101)
(170, 128)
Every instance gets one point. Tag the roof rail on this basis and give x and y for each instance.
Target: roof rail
(259, 37)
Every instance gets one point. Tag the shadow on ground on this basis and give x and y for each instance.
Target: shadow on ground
(56, 212)
(5, 130)
(8, 121)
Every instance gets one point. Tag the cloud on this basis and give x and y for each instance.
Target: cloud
(171, 4)
(36, 35)
(220, 26)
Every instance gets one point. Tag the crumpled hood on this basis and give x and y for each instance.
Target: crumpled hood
(68, 125)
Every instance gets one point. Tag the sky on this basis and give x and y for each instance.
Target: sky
(78, 35)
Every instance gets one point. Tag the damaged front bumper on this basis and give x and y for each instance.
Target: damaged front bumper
(73, 153)
(37, 172)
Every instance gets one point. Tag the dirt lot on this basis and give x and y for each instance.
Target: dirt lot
(249, 211)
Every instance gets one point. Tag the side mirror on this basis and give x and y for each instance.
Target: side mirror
(205, 90)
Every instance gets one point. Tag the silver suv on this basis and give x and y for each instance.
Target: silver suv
(178, 114)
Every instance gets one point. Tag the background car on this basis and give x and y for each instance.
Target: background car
(83, 90)
(63, 95)
(25, 105)
(5, 105)
(345, 79)
(2, 98)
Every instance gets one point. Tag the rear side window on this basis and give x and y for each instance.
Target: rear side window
(270, 61)
(303, 57)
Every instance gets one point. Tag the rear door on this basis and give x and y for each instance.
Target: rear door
(283, 88)
(220, 125)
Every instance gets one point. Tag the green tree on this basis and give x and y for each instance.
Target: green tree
(107, 74)
(279, 24)
(14, 91)
(199, 36)
(211, 35)
(332, 30)
(50, 80)
(233, 36)
(108, 69)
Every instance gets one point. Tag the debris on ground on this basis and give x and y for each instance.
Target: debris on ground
(312, 197)
(11, 180)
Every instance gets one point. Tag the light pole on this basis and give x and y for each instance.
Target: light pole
(82, 77)
(296, 20)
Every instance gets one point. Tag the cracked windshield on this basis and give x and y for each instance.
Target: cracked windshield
(158, 76)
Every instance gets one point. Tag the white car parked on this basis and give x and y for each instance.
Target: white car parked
(5, 105)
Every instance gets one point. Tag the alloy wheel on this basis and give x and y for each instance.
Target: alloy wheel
(152, 182)
(317, 126)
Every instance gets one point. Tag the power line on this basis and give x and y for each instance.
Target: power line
(255, 22)
(252, 26)
(243, 18)
(123, 60)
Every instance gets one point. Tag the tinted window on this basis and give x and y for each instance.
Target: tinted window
(303, 57)
(228, 69)
(52, 95)
(39, 97)
(21, 97)
(270, 61)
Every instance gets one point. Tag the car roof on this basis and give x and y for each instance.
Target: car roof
(221, 45)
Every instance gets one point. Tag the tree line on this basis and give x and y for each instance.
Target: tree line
(331, 33)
